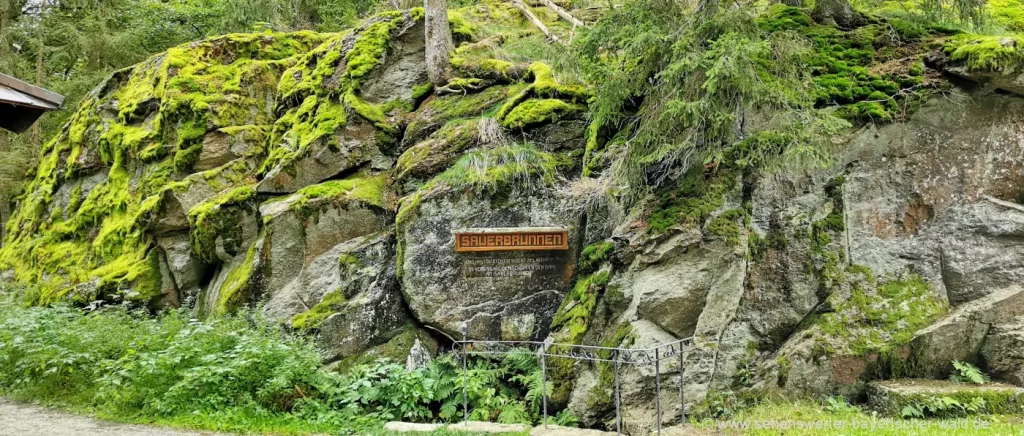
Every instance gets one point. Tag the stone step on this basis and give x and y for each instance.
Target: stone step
(469, 427)
(889, 397)
(557, 430)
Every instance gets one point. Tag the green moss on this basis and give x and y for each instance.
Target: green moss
(439, 150)
(498, 168)
(781, 17)
(1008, 13)
(233, 292)
(726, 225)
(943, 399)
(313, 318)
(534, 112)
(879, 319)
(217, 217)
(986, 53)
(573, 316)
(601, 396)
(368, 190)
(758, 247)
(486, 68)
(842, 64)
(347, 260)
(544, 100)
(594, 255)
(593, 148)
(419, 92)
(461, 28)
(317, 97)
(690, 203)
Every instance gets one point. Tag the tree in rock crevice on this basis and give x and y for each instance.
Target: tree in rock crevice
(438, 41)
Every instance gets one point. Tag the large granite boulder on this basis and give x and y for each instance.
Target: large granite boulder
(442, 292)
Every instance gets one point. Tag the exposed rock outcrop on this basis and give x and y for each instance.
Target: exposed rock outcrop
(321, 179)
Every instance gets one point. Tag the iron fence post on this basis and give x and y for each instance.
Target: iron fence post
(657, 385)
(544, 384)
(465, 378)
(682, 380)
(618, 411)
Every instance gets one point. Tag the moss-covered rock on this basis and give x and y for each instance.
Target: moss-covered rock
(145, 128)
(943, 399)
(395, 349)
(330, 126)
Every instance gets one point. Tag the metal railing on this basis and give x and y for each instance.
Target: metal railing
(587, 353)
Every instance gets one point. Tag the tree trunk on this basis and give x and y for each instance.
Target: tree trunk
(438, 40)
(838, 13)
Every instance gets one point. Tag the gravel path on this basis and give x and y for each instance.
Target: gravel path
(17, 419)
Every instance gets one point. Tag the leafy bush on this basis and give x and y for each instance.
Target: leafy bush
(126, 365)
(506, 390)
(964, 372)
(240, 374)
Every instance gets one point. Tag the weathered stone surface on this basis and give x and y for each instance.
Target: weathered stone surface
(169, 296)
(174, 209)
(369, 318)
(436, 153)
(440, 293)
(915, 191)
(225, 145)
(409, 427)
(79, 187)
(960, 335)
(355, 146)
(557, 430)
(487, 427)
(396, 345)
(404, 67)
(227, 290)
(1003, 352)
(438, 110)
(565, 134)
(889, 397)
(186, 269)
(419, 356)
(306, 252)
(673, 293)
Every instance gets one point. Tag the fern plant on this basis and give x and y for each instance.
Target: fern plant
(964, 372)
(943, 407)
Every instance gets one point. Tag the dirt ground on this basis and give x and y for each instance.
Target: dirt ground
(17, 419)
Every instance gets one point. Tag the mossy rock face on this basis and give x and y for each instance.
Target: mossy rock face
(436, 153)
(309, 232)
(142, 130)
(395, 349)
(993, 61)
(891, 397)
(436, 111)
(331, 125)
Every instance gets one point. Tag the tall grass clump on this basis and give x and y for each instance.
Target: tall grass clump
(238, 373)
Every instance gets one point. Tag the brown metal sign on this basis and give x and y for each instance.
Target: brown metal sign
(517, 239)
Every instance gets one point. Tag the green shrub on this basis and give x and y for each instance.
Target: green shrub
(240, 374)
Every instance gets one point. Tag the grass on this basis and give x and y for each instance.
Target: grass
(806, 418)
